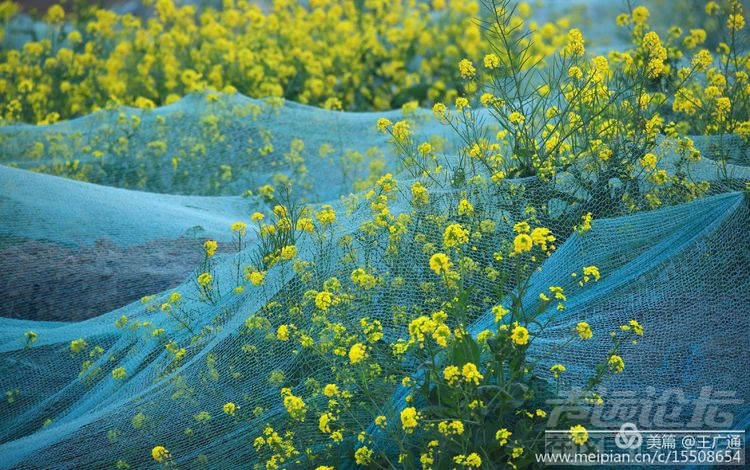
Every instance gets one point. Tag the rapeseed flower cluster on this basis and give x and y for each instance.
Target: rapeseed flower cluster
(339, 54)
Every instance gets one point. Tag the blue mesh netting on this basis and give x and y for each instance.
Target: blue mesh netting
(75, 250)
(104, 219)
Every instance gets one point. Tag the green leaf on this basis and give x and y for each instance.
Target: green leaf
(466, 350)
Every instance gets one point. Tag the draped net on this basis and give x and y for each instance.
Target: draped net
(119, 333)
(77, 258)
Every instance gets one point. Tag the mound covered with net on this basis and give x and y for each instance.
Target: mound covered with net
(281, 309)
(229, 282)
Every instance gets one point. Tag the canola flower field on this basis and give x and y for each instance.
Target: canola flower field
(369, 234)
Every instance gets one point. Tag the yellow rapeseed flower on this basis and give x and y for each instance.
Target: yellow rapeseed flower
(712, 8)
(540, 236)
(282, 333)
(305, 224)
(491, 61)
(448, 428)
(324, 422)
(401, 131)
(451, 374)
(473, 460)
(465, 207)
(575, 72)
(383, 124)
(502, 436)
(205, 279)
(522, 243)
(649, 161)
(230, 408)
(584, 330)
(640, 15)
(488, 99)
(556, 370)
(519, 335)
(239, 227)
(636, 327)
(256, 277)
(357, 353)
(55, 14)
(77, 345)
(288, 252)
(471, 374)
(363, 456)
(736, 21)
(439, 110)
(440, 263)
(323, 300)
(468, 461)
(363, 279)
(409, 419)
(455, 235)
(522, 227)
(575, 46)
(331, 390)
(210, 247)
(578, 434)
(326, 215)
(119, 373)
(592, 271)
(420, 195)
(466, 69)
(160, 454)
(616, 364)
(294, 405)
(657, 54)
(424, 149)
(516, 118)
(499, 312)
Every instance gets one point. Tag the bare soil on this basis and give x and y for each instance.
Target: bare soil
(46, 281)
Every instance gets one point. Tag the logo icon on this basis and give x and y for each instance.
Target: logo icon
(628, 437)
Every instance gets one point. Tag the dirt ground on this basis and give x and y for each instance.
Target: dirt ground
(45, 281)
